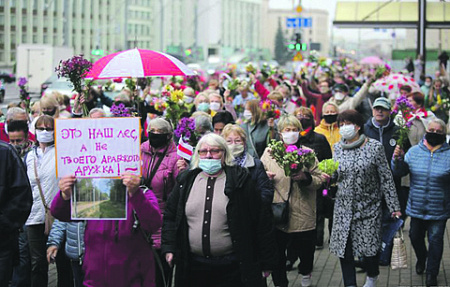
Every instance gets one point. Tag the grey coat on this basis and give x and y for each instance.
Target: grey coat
(364, 177)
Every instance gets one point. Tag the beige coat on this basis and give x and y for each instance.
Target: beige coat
(302, 212)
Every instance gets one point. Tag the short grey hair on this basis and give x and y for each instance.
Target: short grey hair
(204, 122)
(215, 141)
(439, 122)
(288, 120)
(160, 124)
(12, 112)
(97, 110)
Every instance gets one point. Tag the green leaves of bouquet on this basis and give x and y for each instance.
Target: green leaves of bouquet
(328, 166)
(291, 158)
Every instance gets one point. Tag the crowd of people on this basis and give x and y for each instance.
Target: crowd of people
(210, 215)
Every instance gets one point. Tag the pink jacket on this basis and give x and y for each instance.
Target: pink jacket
(164, 179)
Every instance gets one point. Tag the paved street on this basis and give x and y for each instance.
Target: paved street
(327, 270)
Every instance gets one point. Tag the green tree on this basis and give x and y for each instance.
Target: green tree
(281, 51)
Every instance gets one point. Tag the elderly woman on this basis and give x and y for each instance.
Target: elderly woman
(328, 125)
(237, 143)
(257, 129)
(428, 205)
(159, 158)
(300, 188)
(419, 117)
(202, 104)
(364, 178)
(215, 228)
(40, 162)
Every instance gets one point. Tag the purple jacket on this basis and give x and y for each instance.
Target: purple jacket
(115, 255)
(164, 179)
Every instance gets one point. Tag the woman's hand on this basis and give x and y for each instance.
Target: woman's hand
(266, 274)
(131, 181)
(398, 152)
(169, 259)
(298, 176)
(66, 185)
(52, 250)
(396, 214)
(270, 175)
(270, 122)
(325, 177)
(182, 164)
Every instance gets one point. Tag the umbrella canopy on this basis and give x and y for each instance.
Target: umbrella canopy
(137, 63)
(372, 60)
(391, 84)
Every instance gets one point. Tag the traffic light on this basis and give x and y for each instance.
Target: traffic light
(188, 52)
(298, 45)
(98, 52)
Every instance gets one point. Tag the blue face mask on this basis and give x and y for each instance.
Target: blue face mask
(203, 107)
(210, 166)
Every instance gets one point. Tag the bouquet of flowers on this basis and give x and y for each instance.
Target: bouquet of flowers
(270, 110)
(24, 95)
(328, 166)
(120, 110)
(382, 71)
(403, 118)
(291, 158)
(314, 56)
(175, 106)
(167, 90)
(233, 85)
(159, 104)
(250, 68)
(75, 69)
(186, 131)
(267, 71)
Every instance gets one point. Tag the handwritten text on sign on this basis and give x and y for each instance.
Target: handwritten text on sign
(103, 147)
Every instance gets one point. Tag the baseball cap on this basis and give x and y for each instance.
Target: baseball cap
(382, 102)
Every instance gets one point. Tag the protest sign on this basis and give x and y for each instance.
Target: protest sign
(95, 148)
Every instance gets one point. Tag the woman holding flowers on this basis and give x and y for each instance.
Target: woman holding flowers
(159, 158)
(363, 179)
(419, 117)
(298, 185)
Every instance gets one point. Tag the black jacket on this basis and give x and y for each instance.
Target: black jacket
(250, 223)
(16, 196)
(318, 143)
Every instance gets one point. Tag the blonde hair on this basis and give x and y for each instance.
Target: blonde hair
(230, 128)
(288, 120)
(216, 95)
(330, 104)
(275, 95)
(257, 114)
(49, 101)
(215, 141)
(202, 94)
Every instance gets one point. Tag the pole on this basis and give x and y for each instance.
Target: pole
(421, 46)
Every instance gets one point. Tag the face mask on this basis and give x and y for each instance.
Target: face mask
(329, 119)
(435, 139)
(158, 140)
(324, 90)
(339, 96)
(214, 106)
(188, 100)
(290, 137)
(50, 113)
(44, 136)
(203, 107)
(236, 149)
(348, 132)
(210, 166)
(247, 115)
(306, 123)
(427, 84)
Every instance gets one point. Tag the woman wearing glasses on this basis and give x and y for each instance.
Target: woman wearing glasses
(41, 171)
(428, 205)
(215, 228)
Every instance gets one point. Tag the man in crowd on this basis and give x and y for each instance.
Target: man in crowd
(13, 114)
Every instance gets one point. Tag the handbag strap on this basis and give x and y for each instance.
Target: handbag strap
(155, 168)
(289, 193)
(39, 183)
(251, 139)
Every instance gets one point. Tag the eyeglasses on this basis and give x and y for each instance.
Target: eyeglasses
(16, 141)
(213, 152)
(45, 129)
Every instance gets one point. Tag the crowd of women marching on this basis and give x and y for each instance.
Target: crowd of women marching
(212, 218)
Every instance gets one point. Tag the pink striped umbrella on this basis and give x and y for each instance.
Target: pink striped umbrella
(137, 63)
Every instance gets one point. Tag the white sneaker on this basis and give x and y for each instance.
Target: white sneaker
(371, 281)
(306, 280)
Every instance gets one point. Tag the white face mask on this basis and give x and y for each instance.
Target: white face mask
(247, 115)
(324, 90)
(427, 84)
(214, 106)
(339, 96)
(348, 132)
(290, 137)
(44, 136)
(188, 100)
(236, 149)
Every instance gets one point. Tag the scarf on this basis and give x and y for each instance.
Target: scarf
(240, 160)
(354, 144)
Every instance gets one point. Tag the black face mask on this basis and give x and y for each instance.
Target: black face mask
(329, 119)
(50, 113)
(158, 140)
(435, 139)
(306, 123)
